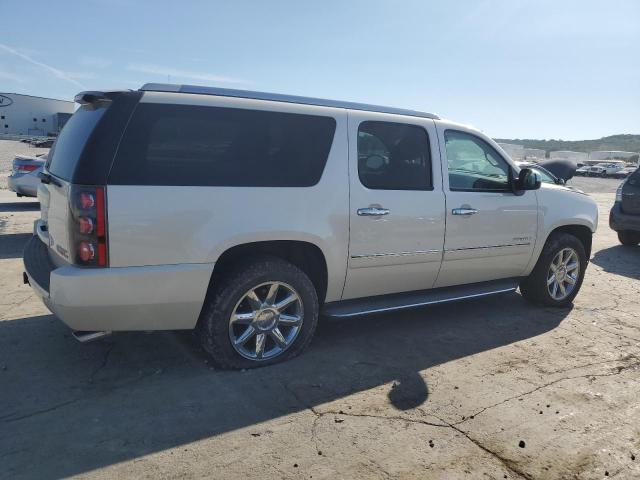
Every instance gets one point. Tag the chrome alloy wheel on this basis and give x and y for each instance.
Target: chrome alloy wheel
(266, 321)
(563, 274)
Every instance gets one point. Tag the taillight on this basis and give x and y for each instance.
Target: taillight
(26, 168)
(87, 200)
(89, 225)
(86, 251)
(85, 224)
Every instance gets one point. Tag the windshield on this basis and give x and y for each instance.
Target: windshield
(71, 141)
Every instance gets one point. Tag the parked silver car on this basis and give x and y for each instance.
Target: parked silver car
(245, 215)
(24, 178)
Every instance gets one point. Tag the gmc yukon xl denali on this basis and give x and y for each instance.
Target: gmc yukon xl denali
(246, 215)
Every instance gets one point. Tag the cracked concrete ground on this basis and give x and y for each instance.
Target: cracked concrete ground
(492, 388)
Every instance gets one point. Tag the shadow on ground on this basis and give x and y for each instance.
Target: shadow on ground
(20, 207)
(67, 408)
(619, 259)
(12, 244)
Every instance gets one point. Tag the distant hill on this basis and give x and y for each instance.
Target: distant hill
(626, 143)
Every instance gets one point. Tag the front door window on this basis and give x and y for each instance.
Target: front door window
(474, 165)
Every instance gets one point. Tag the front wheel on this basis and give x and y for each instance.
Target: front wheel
(558, 274)
(629, 238)
(263, 312)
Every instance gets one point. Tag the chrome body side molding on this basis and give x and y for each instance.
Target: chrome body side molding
(396, 254)
(488, 247)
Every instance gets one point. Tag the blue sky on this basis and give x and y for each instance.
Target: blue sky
(526, 69)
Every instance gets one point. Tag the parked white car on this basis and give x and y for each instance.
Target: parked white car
(584, 170)
(24, 178)
(606, 169)
(245, 215)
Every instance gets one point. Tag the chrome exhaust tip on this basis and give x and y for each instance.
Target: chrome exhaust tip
(85, 337)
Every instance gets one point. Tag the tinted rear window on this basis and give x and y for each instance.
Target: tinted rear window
(634, 178)
(72, 140)
(212, 146)
(393, 156)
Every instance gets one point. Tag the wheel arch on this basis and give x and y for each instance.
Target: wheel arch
(305, 255)
(581, 232)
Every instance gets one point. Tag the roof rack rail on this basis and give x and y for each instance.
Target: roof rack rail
(278, 97)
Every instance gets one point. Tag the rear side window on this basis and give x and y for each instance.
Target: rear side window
(394, 156)
(72, 140)
(212, 146)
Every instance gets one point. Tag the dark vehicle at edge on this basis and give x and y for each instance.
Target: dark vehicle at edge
(624, 217)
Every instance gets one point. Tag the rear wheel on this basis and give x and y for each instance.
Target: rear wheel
(629, 238)
(558, 274)
(263, 312)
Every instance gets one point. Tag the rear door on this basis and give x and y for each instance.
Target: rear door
(491, 231)
(396, 205)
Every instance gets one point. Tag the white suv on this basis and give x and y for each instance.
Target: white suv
(246, 215)
(605, 169)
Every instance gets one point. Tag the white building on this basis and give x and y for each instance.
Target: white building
(611, 154)
(516, 152)
(534, 154)
(34, 116)
(578, 156)
(519, 153)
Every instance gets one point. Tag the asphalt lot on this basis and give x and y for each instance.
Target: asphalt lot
(593, 185)
(491, 388)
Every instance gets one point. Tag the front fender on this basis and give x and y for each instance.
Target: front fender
(561, 207)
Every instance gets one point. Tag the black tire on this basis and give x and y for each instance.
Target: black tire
(629, 238)
(228, 289)
(534, 287)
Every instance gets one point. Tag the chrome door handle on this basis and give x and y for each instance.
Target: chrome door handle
(373, 212)
(464, 211)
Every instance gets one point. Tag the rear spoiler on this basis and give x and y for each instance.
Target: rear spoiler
(90, 97)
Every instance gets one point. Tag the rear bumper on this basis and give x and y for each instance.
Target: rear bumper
(620, 221)
(159, 297)
(24, 184)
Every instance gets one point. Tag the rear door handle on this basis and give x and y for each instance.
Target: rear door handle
(373, 212)
(464, 211)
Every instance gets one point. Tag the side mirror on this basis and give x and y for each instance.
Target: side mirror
(561, 181)
(527, 180)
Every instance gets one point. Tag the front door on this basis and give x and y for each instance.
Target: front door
(396, 205)
(491, 231)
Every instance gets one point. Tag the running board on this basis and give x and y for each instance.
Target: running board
(401, 301)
